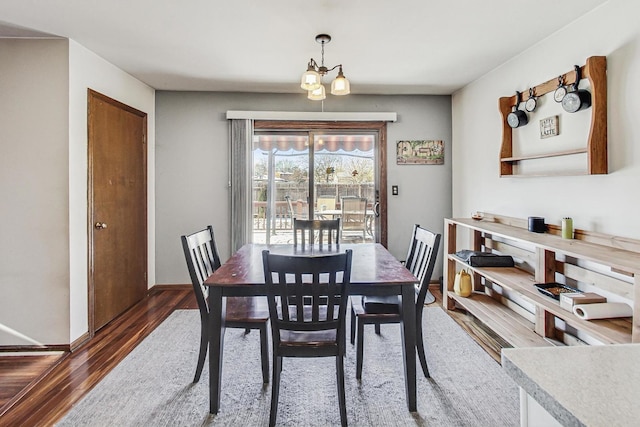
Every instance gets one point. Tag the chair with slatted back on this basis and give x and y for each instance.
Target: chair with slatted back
(354, 215)
(315, 231)
(326, 203)
(247, 313)
(292, 212)
(296, 211)
(307, 299)
(421, 259)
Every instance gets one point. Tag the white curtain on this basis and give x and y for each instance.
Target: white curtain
(241, 134)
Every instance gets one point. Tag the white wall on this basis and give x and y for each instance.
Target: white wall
(605, 203)
(87, 70)
(34, 246)
(192, 165)
(43, 185)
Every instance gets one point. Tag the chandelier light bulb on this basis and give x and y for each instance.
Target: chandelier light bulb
(317, 94)
(340, 85)
(310, 79)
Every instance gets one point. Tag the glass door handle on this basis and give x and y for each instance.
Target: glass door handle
(376, 209)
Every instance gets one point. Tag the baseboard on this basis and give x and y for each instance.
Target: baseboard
(34, 348)
(166, 287)
(82, 339)
(85, 337)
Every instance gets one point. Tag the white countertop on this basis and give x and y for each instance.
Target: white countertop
(581, 385)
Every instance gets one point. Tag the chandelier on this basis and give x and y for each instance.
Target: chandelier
(312, 79)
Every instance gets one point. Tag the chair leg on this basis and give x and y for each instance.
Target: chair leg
(275, 390)
(204, 344)
(353, 325)
(420, 347)
(264, 353)
(377, 328)
(359, 348)
(342, 402)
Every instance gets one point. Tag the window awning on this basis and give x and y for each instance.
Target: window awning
(331, 143)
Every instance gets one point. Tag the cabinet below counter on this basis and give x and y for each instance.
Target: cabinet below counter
(577, 385)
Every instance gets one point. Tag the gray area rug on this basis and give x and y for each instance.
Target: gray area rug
(152, 386)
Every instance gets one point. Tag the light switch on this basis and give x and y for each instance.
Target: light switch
(394, 190)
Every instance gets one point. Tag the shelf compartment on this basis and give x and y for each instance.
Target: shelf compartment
(615, 257)
(510, 326)
(609, 331)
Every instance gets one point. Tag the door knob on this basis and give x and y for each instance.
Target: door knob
(101, 225)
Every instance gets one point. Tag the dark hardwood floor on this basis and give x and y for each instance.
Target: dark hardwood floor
(18, 371)
(55, 383)
(39, 390)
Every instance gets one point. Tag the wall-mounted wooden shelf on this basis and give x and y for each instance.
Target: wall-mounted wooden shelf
(595, 70)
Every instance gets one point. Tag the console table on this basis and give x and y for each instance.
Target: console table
(506, 300)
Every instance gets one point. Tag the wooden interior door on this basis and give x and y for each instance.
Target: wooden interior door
(117, 208)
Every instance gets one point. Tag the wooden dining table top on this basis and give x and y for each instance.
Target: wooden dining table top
(372, 264)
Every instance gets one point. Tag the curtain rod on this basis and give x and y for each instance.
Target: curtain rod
(314, 116)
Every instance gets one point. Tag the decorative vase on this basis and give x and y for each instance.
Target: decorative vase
(567, 228)
(462, 284)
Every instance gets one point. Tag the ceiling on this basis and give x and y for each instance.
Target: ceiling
(385, 46)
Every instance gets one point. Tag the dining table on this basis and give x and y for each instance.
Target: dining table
(337, 213)
(374, 271)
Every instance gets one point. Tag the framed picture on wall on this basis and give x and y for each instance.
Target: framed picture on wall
(420, 152)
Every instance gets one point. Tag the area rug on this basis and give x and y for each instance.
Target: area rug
(152, 385)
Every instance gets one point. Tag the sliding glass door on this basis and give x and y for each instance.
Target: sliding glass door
(309, 174)
(280, 186)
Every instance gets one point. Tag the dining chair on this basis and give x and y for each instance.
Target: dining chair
(297, 211)
(202, 258)
(307, 298)
(354, 215)
(292, 212)
(366, 310)
(326, 203)
(308, 229)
